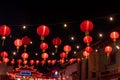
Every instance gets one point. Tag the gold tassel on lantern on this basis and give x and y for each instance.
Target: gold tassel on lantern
(108, 58)
(56, 47)
(17, 48)
(3, 40)
(25, 47)
(42, 38)
(86, 33)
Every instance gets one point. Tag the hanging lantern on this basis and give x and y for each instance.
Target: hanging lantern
(89, 49)
(18, 43)
(108, 50)
(4, 31)
(12, 62)
(4, 54)
(44, 56)
(37, 62)
(53, 62)
(43, 31)
(24, 55)
(86, 26)
(86, 54)
(43, 62)
(19, 61)
(87, 40)
(25, 62)
(114, 35)
(71, 60)
(31, 62)
(63, 55)
(6, 60)
(78, 60)
(67, 48)
(26, 41)
(62, 61)
(49, 61)
(56, 42)
(43, 46)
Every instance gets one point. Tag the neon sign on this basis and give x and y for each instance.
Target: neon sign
(25, 73)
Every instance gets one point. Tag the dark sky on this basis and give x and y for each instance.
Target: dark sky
(55, 14)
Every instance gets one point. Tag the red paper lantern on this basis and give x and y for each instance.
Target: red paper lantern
(12, 62)
(89, 49)
(25, 62)
(44, 56)
(71, 61)
(86, 54)
(49, 61)
(43, 46)
(43, 62)
(87, 40)
(26, 41)
(86, 26)
(18, 43)
(31, 62)
(6, 60)
(53, 62)
(78, 60)
(37, 62)
(4, 31)
(114, 35)
(43, 31)
(4, 54)
(56, 42)
(24, 55)
(67, 48)
(108, 50)
(62, 61)
(63, 55)
(19, 61)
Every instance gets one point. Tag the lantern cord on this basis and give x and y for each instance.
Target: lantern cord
(108, 58)
(43, 50)
(86, 33)
(17, 48)
(42, 38)
(3, 42)
(114, 43)
(56, 47)
(55, 50)
(25, 47)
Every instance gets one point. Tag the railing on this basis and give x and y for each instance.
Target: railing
(110, 71)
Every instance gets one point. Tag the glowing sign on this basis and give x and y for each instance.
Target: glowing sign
(25, 73)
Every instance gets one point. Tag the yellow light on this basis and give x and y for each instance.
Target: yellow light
(30, 42)
(65, 25)
(117, 47)
(14, 53)
(72, 38)
(96, 50)
(74, 52)
(36, 54)
(100, 35)
(77, 46)
(111, 18)
(24, 27)
(53, 53)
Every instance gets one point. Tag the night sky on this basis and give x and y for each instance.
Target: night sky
(55, 14)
